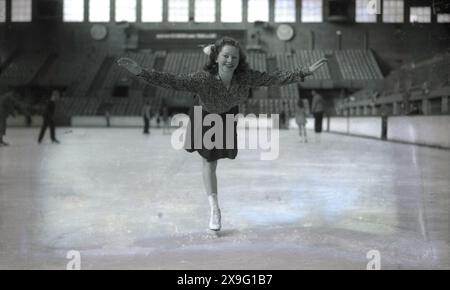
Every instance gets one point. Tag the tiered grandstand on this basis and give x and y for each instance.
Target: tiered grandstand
(95, 85)
(425, 84)
(358, 65)
(23, 68)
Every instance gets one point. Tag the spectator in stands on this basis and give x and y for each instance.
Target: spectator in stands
(146, 115)
(300, 118)
(415, 110)
(220, 88)
(49, 118)
(405, 105)
(317, 109)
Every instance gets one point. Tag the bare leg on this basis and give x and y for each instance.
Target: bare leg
(304, 133)
(210, 182)
(209, 176)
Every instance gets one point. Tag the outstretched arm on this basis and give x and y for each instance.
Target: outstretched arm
(181, 82)
(281, 78)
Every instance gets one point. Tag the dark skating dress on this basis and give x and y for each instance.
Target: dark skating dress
(215, 98)
(212, 154)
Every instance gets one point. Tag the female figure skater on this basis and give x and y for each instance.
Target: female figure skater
(220, 88)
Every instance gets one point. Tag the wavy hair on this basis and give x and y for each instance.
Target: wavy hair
(212, 66)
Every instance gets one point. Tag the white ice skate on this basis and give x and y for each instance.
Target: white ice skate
(215, 220)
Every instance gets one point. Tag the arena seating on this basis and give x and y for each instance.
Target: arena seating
(358, 65)
(63, 70)
(92, 78)
(6, 55)
(23, 68)
(424, 83)
(82, 85)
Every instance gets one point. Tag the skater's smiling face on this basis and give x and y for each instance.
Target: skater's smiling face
(228, 59)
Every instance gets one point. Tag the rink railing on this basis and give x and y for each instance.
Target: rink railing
(422, 130)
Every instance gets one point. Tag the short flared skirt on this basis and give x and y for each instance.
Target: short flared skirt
(214, 153)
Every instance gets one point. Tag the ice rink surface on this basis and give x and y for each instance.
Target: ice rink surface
(124, 200)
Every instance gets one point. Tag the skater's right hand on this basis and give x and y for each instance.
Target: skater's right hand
(129, 65)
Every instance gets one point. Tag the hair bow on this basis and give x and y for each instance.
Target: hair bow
(208, 49)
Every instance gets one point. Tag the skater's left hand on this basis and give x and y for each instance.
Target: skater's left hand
(315, 66)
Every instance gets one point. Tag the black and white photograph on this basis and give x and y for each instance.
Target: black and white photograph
(218, 135)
